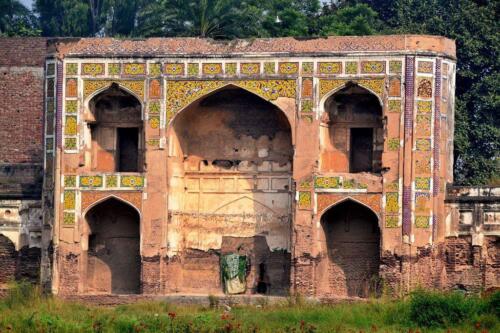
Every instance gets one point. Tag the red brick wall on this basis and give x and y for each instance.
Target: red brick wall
(21, 99)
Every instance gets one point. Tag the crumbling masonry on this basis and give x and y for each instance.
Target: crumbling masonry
(273, 166)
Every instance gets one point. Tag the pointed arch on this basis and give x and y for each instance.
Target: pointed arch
(109, 197)
(102, 86)
(346, 84)
(212, 87)
(346, 199)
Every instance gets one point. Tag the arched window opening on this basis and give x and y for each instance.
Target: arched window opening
(352, 247)
(113, 259)
(353, 137)
(116, 132)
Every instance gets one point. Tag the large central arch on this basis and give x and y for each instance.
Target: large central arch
(230, 169)
(350, 245)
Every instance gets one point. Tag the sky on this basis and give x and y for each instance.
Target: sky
(27, 3)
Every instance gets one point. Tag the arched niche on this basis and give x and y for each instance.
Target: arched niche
(352, 131)
(230, 169)
(114, 133)
(350, 243)
(112, 248)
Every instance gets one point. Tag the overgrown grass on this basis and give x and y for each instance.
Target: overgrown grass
(25, 310)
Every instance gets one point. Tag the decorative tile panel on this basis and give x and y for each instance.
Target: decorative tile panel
(425, 67)
(395, 66)
(182, 93)
(307, 68)
(423, 144)
(392, 202)
(252, 68)
(174, 69)
(154, 107)
(351, 67)
(131, 181)
(154, 89)
(424, 106)
(424, 88)
(69, 218)
(230, 68)
(154, 122)
(71, 69)
(422, 221)
(376, 85)
(70, 181)
(422, 183)
(326, 200)
(327, 182)
(288, 68)
(307, 106)
(91, 181)
(71, 88)
(93, 69)
(114, 69)
(135, 86)
(69, 200)
(305, 200)
(393, 144)
(394, 105)
(392, 221)
(211, 68)
(111, 181)
(71, 125)
(134, 69)
(155, 69)
(193, 69)
(269, 68)
(71, 106)
(329, 67)
(423, 165)
(373, 67)
(70, 143)
(423, 127)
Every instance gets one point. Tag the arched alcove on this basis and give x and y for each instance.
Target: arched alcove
(230, 169)
(350, 241)
(352, 131)
(8, 259)
(113, 262)
(114, 131)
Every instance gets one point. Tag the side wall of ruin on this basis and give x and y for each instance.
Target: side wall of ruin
(22, 73)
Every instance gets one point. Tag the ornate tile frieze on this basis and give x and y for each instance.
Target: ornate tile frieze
(376, 85)
(329, 67)
(135, 86)
(182, 93)
(373, 67)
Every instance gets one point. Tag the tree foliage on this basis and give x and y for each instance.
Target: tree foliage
(17, 20)
(475, 27)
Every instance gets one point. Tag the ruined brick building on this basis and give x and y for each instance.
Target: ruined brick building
(160, 166)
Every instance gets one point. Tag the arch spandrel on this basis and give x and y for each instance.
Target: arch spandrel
(181, 94)
(328, 87)
(371, 201)
(91, 199)
(92, 88)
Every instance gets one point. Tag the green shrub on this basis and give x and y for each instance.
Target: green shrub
(22, 293)
(493, 303)
(432, 309)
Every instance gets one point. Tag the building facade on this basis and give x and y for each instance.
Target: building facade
(270, 166)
